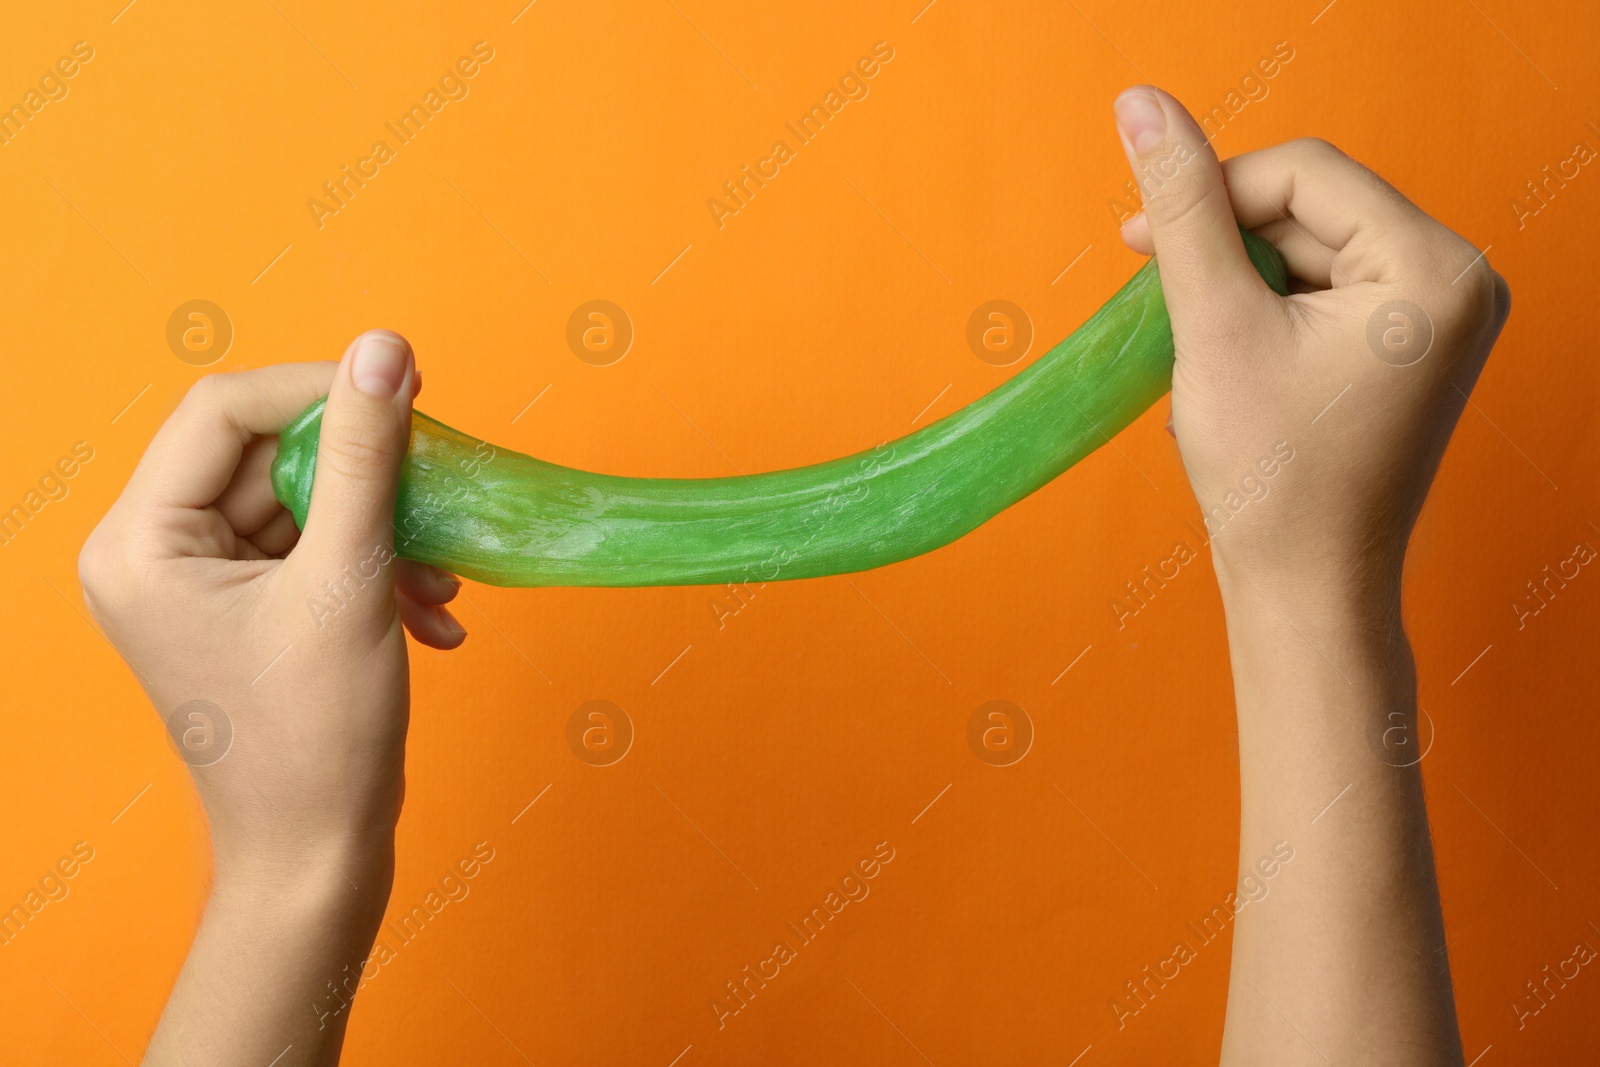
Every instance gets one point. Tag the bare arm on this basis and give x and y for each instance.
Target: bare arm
(1346, 957)
(275, 964)
(278, 663)
(1311, 427)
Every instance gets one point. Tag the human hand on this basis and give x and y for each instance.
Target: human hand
(292, 641)
(278, 662)
(1337, 400)
(1311, 427)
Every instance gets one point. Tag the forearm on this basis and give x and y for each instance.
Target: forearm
(274, 964)
(1344, 959)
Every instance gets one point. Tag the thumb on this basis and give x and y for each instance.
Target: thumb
(366, 428)
(1205, 273)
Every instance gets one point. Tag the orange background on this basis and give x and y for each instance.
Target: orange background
(823, 318)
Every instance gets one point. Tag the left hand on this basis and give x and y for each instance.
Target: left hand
(291, 643)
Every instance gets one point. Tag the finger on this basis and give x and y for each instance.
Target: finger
(194, 455)
(1310, 262)
(278, 535)
(1136, 235)
(1308, 259)
(246, 549)
(366, 427)
(429, 624)
(424, 583)
(1204, 266)
(247, 503)
(1333, 202)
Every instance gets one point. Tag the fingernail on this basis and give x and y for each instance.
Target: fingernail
(452, 627)
(379, 366)
(1143, 123)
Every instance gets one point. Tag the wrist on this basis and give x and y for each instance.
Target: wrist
(276, 958)
(348, 886)
(1330, 635)
(1317, 653)
(1325, 596)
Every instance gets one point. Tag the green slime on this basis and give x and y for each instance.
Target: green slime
(504, 518)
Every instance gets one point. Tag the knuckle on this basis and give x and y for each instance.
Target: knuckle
(1484, 300)
(92, 565)
(356, 453)
(1466, 298)
(207, 392)
(1171, 177)
(1477, 292)
(1176, 205)
(102, 573)
(209, 396)
(1502, 297)
(1317, 148)
(1320, 154)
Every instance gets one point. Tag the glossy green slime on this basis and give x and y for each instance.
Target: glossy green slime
(504, 518)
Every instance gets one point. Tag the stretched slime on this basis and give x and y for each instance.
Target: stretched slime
(507, 519)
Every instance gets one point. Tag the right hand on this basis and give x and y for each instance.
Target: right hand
(1255, 369)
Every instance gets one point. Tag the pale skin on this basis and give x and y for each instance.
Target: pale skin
(1345, 961)
(200, 578)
